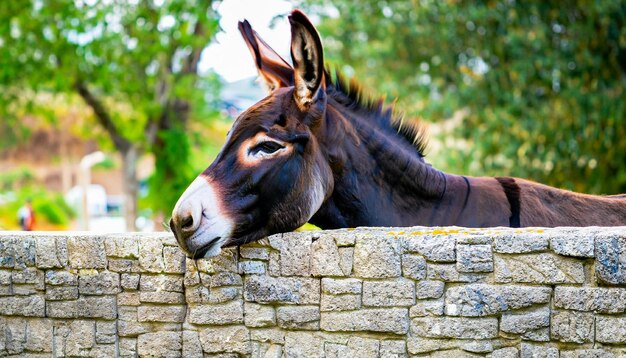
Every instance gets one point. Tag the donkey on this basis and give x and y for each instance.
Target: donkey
(315, 150)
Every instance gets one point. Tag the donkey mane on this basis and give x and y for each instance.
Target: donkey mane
(351, 94)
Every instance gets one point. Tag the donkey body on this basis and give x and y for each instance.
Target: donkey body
(315, 150)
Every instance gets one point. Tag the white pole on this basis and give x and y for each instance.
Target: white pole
(86, 163)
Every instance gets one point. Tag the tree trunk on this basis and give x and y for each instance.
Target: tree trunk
(130, 186)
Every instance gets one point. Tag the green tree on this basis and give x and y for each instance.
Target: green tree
(134, 63)
(544, 81)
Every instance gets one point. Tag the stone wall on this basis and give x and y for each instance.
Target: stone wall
(364, 293)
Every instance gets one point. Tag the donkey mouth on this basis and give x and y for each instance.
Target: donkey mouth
(202, 251)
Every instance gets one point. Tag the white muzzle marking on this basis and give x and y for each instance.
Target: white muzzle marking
(211, 226)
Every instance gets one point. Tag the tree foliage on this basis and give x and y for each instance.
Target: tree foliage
(544, 81)
(134, 63)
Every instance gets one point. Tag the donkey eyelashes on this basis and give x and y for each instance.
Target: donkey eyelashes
(267, 147)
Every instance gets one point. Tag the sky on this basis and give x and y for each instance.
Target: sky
(228, 55)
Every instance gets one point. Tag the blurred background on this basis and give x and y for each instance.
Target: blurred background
(110, 108)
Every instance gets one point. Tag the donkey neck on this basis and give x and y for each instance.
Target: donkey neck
(380, 178)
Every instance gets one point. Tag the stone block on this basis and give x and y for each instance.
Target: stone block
(531, 325)
(392, 320)
(346, 302)
(7, 252)
(252, 267)
(536, 351)
(587, 353)
(575, 245)
(335, 350)
(340, 286)
(231, 339)
(273, 268)
(5, 277)
(122, 246)
(346, 257)
(192, 348)
(413, 266)
(508, 352)
(129, 282)
(151, 255)
(449, 273)
(295, 254)
(58, 293)
(160, 344)
(429, 289)
(161, 313)
(611, 330)
(124, 265)
(272, 335)
(455, 327)
(482, 300)
(436, 248)
(572, 326)
(164, 297)
(267, 350)
(474, 258)
(476, 346)
(47, 255)
(224, 294)
(128, 347)
(192, 275)
(98, 283)
(13, 337)
(611, 258)
(256, 315)
(299, 290)
(197, 294)
(216, 314)
(30, 276)
(128, 299)
(377, 257)
(345, 238)
(25, 252)
(57, 278)
(593, 299)
(542, 268)
(226, 261)
(389, 293)
(173, 260)
(106, 332)
(303, 344)
(325, 258)
(393, 349)
(517, 243)
(78, 337)
(86, 252)
(84, 307)
(427, 308)
(221, 279)
(127, 324)
(298, 317)
(419, 345)
(161, 283)
(39, 335)
(363, 347)
(27, 306)
(254, 253)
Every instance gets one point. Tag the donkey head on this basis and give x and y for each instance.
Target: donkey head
(271, 175)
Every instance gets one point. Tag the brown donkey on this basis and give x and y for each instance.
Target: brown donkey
(314, 150)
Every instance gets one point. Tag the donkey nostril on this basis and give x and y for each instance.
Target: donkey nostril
(187, 223)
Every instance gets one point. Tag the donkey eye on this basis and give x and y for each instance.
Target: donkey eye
(267, 147)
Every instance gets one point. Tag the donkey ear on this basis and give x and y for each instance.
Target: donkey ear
(308, 59)
(273, 69)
